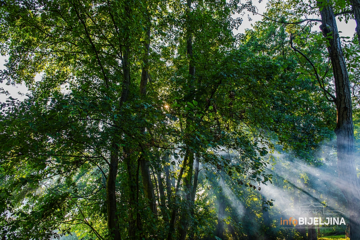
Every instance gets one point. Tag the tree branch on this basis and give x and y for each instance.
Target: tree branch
(343, 13)
(93, 46)
(288, 23)
(87, 223)
(316, 73)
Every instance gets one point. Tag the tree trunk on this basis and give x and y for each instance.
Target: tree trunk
(233, 232)
(312, 233)
(130, 165)
(249, 224)
(148, 185)
(269, 234)
(196, 178)
(220, 228)
(193, 195)
(355, 4)
(300, 229)
(131, 170)
(186, 216)
(162, 197)
(167, 178)
(184, 222)
(344, 127)
(111, 181)
(144, 164)
(126, 72)
(175, 207)
(111, 195)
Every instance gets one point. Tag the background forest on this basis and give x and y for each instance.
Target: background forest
(154, 120)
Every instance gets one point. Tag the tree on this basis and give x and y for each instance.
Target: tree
(345, 127)
(355, 4)
(134, 93)
(344, 130)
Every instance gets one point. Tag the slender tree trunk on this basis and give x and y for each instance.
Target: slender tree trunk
(269, 234)
(184, 222)
(312, 235)
(196, 178)
(131, 170)
(344, 127)
(172, 222)
(126, 72)
(162, 196)
(186, 216)
(233, 232)
(111, 195)
(250, 226)
(111, 181)
(130, 164)
(144, 164)
(157, 192)
(193, 195)
(220, 228)
(148, 185)
(138, 216)
(175, 204)
(167, 178)
(355, 4)
(300, 229)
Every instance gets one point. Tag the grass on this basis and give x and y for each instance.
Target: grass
(339, 237)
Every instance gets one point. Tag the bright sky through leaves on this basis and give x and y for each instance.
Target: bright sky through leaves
(348, 29)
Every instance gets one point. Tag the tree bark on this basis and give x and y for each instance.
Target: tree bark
(111, 195)
(355, 4)
(184, 222)
(162, 197)
(268, 231)
(344, 126)
(196, 178)
(144, 164)
(175, 207)
(131, 171)
(300, 229)
(233, 232)
(249, 224)
(130, 166)
(220, 228)
(186, 216)
(148, 185)
(193, 195)
(312, 235)
(167, 178)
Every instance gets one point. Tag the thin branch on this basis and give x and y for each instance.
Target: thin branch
(316, 73)
(72, 139)
(288, 23)
(93, 46)
(96, 165)
(87, 223)
(344, 12)
(327, 70)
(116, 29)
(86, 12)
